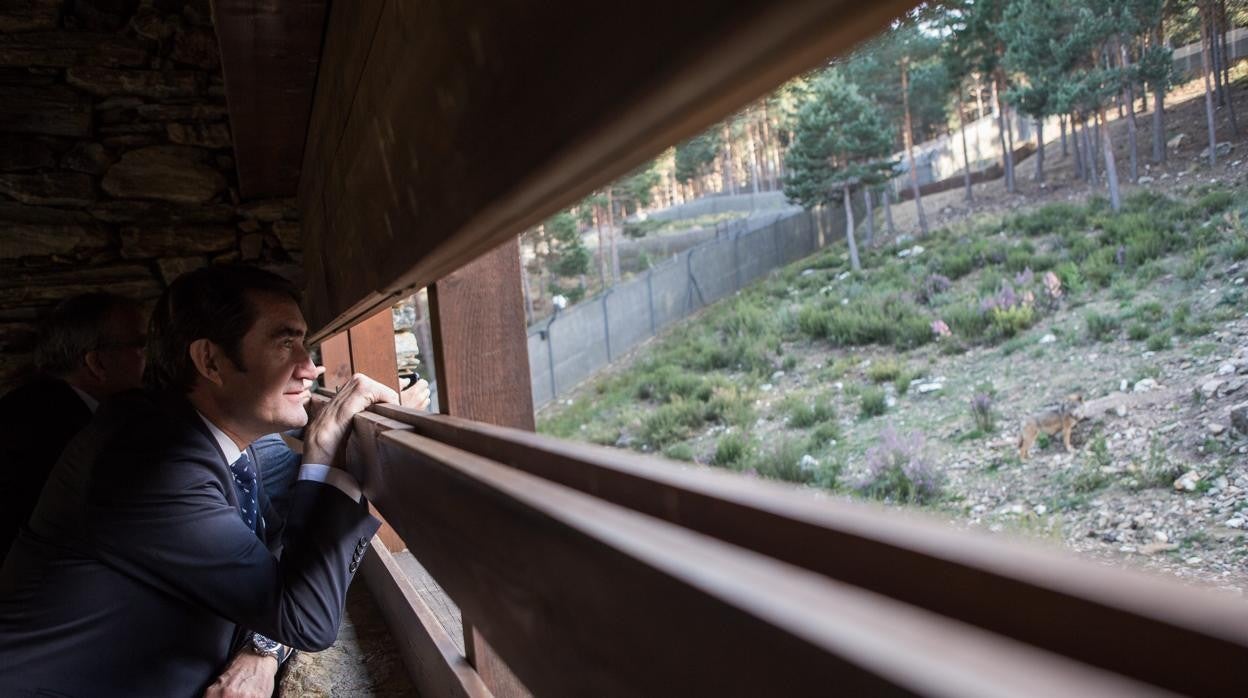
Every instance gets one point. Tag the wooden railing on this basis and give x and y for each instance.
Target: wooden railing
(596, 572)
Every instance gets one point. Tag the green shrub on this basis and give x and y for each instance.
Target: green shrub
(731, 449)
(1138, 332)
(955, 263)
(884, 370)
(1151, 312)
(664, 383)
(679, 451)
(1071, 278)
(824, 434)
(1019, 259)
(784, 462)
(730, 405)
(1082, 247)
(1210, 205)
(1007, 322)
(902, 382)
(967, 321)
(672, 422)
(872, 403)
(1052, 219)
(1159, 341)
(1195, 265)
(888, 320)
(1099, 268)
(1100, 327)
(803, 414)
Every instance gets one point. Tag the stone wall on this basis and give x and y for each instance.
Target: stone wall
(116, 163)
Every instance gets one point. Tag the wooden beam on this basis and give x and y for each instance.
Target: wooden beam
(480, 342)
(584, 597)
(1127, 623)
(450, 141)
(269, 57)
(432, 660)
(482, 359)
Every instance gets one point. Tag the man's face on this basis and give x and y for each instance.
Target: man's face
(270, 395)
(120, 358)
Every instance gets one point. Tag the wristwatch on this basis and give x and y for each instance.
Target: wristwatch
(265, 647)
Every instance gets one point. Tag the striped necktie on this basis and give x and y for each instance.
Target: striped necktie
(248, 493)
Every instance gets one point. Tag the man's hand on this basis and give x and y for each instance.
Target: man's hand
(326, 436)
(248, 676)
(416, 396)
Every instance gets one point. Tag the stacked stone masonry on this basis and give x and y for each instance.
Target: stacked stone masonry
(116, 164)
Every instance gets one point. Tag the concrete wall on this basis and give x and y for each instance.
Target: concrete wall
(582, 339)
(722, 203)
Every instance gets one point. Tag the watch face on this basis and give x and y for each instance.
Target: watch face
(264, 645)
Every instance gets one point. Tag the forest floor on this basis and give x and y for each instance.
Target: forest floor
(828, 378)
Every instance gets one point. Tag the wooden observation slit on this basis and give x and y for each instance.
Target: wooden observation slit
(430, 144)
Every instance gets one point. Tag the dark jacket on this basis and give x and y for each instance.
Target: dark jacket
(36, 421)
(136, 574)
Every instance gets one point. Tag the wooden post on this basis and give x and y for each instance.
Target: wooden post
(367, 348)
(482, 356)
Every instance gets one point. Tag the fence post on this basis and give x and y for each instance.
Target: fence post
(736, 258)
(606, 322)
(550, 355)
(650, 297)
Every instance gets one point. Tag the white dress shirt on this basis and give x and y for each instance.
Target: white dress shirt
(91, 403)
(316, 472)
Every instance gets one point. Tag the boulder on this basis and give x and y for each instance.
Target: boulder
(67, 49)
(1187, 481)
(19, 240)
(166, 173)
(51, 110)
(155, 84)
(212, 135)
(1222, 150)
(1239, 417)
(21, 153)
(29, 15)
(165, 241)
(197, 47)
(90, 158)
(49, 188)
(1176, 142)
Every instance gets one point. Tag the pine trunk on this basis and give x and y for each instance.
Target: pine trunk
(612, 233)
(1080, 173)
(1159, 110)
(849, 231)
(1061, 125)
(1007, 157)
(1205, 38)
(1224, 27)
(1039, 150)
(602, 247)
(1129, 100)
(966, 158)
(1111, 171)
(528, 293)
(908, 137)
(730, 184)
(870, 238)
(888, 211)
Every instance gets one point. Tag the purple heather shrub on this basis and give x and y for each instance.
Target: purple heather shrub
(899, 468)
(1024, 277)
(1120, 257)
(933, 286)
(1004, 299)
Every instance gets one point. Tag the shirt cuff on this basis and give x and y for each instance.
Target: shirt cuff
(317, 472)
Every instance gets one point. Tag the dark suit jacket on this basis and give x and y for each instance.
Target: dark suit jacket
(136, 572)
(36, 421)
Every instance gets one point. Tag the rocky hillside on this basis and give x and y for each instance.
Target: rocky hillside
(907, 382)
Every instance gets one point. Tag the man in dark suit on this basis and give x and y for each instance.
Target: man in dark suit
(151, 555)
(90, 347)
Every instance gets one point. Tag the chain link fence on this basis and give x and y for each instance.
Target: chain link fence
(577, 342)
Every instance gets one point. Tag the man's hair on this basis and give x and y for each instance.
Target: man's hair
(213, 303)
(77, 325)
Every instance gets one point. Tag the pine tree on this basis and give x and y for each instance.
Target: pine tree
(839, 141)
